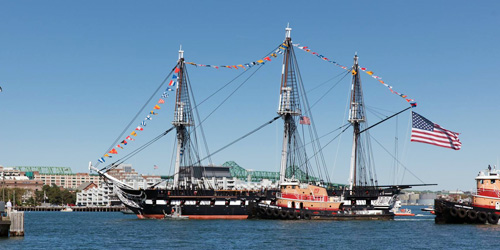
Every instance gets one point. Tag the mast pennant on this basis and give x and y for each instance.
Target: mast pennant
(244, 66)
(412, 102)
(148, 117)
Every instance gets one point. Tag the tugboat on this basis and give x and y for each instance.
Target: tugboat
(485, 205)
(312, 202)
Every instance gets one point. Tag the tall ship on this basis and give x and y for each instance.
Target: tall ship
(484, 207)
(196, 193)
(191, 193)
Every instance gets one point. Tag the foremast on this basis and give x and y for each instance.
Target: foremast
(356, 118)
(289, 105)
(183, 118)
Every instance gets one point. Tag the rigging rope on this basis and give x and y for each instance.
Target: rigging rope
(139, 149)
(397, 160)
(328, 91)
(190, 89)
(242, 137)
(312, 128)
(227, 98)
(139, 112)
(332, 140)
(232, 80)
(311, 90)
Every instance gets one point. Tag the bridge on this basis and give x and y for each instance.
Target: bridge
(256, 176)
(45, 170)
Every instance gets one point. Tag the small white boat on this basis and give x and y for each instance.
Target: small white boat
(176, 214)
(127, 211)
(427, 209)
(398, 211)
(67, 209)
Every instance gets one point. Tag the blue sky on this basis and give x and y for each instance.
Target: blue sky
(74, 73)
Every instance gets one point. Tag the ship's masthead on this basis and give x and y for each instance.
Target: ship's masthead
(181, 53)
(288, 31)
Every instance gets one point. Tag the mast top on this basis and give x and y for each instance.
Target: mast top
(288, 30)
(181, 53)
(356, 58)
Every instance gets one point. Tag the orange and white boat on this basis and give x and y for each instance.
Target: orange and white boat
(398, 211)
(306, 201)
(404, 212)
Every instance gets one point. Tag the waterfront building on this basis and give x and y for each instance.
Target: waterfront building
(103, 195)
(13, 178)
(60, 176)
(91, 195)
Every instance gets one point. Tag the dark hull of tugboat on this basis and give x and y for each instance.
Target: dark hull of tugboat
(448, 212)
(361, 213)
(200, 204)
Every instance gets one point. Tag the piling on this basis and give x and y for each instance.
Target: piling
(17, 223)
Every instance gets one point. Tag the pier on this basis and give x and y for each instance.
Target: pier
(17, 223)
(75, 209)
(11, 222)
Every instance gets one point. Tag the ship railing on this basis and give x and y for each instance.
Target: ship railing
(495, 189)
(497, 192)
(303, 197)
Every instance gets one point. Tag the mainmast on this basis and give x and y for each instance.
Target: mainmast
(183, 118)
(289, 101)
(356, 117)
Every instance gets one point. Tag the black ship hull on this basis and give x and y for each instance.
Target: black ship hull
(199, 204)
(448, 212)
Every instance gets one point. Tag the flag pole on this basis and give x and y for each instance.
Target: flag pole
(384, 120)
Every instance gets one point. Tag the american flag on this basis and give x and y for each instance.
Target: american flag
(155, 167)
(426, 131)
(305, 120)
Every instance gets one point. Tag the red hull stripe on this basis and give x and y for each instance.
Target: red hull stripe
(218, 217)
(304, 197)
(488, 192)
(315, 209)
(197, 217)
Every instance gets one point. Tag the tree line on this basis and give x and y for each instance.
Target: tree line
(49, 194)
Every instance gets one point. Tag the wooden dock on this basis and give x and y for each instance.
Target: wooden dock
(4, 226)
(75, 209)
(12, 224)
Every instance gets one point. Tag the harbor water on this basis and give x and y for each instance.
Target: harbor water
(113, 230)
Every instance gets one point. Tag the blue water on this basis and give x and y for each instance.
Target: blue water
(84, 230)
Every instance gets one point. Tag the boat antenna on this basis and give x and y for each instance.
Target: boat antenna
(288, 30)
(181, 52)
